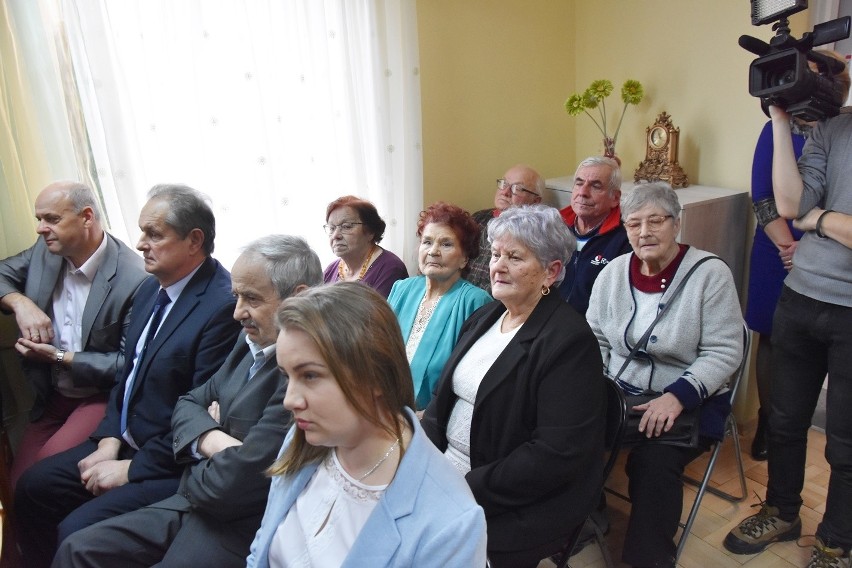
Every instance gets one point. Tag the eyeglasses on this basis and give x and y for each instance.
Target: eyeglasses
(655, 222)
(344, 228)
(516, 188)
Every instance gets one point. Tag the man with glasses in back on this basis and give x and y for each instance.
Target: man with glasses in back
(520, 185)
(594, 218)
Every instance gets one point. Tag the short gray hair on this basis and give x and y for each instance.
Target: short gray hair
(615, 171)
(80, 196)
(290, 262)
(658, 193)
(541, 229)
(188, 209)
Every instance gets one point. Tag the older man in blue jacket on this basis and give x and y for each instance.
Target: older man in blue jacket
(594, 218)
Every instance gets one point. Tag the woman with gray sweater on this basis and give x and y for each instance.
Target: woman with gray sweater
(689, 357)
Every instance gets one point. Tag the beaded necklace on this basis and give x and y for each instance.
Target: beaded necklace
(364, 267)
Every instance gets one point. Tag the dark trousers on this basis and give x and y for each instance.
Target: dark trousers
(51, 502)
(155, 536)
(809, 339)
(655, 488)
(529, 558)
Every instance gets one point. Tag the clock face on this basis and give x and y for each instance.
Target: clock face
(659, 137)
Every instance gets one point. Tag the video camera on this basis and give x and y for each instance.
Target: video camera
(781, 76)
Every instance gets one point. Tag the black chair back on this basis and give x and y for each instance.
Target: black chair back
(616, 422)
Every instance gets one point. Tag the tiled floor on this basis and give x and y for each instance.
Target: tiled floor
(717, 516)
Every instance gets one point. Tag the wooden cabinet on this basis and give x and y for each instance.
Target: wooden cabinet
(714, 219)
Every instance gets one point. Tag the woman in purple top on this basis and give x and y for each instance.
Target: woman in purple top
(775, 241)
(355, 230)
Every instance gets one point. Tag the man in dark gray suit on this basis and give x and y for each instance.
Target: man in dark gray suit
(227, 431)
(71, 294)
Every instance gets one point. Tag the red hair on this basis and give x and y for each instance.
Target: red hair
(459, 221)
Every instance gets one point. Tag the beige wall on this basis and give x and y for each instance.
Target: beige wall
(495, 73)
(686, 55)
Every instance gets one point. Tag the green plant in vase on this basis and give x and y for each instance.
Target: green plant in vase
(595, 98)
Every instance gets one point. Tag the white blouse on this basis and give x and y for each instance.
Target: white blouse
(466, 379)
(324, 522)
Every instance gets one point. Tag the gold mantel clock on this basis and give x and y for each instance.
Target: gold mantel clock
(660, 163)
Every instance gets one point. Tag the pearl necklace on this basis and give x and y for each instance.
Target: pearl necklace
(380, 462)
(364, 266)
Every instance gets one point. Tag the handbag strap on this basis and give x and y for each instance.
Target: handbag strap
(644, 339)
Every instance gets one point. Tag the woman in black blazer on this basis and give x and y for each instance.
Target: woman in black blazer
(520, 406)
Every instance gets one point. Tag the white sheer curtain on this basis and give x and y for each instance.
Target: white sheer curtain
(272, 108)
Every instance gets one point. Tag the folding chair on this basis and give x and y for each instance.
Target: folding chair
(616, 420)
(732, 431)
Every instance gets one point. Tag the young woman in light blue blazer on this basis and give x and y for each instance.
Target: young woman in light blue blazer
(357, 483)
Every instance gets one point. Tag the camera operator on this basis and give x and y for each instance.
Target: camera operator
(775, 241)
(811, 336)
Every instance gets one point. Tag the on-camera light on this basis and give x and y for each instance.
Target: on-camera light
(766, 11)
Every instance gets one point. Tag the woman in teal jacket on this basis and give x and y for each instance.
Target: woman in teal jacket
(432, 307)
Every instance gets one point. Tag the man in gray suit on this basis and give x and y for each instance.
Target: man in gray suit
(227, 431)
(71, 294)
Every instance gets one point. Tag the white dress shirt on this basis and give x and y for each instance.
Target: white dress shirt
(69, 302)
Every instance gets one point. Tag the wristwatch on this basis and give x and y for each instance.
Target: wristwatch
(60, 356)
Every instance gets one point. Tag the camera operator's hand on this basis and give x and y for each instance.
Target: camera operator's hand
(778, 112)
(808, 221)
(834, 225)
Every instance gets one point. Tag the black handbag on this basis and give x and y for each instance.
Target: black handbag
(684, 432)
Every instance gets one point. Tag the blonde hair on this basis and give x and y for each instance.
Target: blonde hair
(358, 337)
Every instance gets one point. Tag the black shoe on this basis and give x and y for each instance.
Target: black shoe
(759, 450)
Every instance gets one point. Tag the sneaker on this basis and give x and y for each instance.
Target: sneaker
(825, 557)
(758, 531)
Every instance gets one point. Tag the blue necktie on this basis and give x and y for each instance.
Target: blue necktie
(259, 360)
(156, 317)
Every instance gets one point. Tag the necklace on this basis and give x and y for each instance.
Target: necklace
(380, 462)
(364, 266)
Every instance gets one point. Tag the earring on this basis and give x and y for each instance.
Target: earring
(544, 290)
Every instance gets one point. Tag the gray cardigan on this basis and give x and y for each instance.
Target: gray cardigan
(694, 348)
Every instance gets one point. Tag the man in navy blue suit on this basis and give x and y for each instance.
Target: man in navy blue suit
(180, 332)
